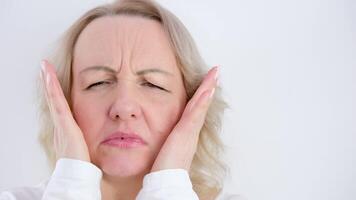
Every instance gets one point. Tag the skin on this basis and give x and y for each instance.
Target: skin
(128, 96)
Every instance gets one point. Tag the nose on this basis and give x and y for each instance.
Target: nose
(125, 105)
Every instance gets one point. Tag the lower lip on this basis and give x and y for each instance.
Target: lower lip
(124, 143)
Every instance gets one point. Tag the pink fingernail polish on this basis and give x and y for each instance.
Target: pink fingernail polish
(217, 73)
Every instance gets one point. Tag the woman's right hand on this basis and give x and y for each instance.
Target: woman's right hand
(69, 140)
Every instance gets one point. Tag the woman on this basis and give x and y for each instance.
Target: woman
(129, 113)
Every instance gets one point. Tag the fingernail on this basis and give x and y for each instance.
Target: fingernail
(212, 93)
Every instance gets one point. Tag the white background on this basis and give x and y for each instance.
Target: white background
(289, 73)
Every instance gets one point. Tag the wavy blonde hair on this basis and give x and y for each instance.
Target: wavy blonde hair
(207, 170)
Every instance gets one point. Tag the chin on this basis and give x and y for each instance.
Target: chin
(124, 165)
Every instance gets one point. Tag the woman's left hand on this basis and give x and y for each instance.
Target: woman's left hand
(181, 144)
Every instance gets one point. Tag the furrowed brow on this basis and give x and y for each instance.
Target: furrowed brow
(98, 68)
(153, 70)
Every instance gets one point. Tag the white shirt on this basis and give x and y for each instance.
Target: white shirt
(75, 179)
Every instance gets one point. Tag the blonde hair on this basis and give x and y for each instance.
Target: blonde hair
(207, 170)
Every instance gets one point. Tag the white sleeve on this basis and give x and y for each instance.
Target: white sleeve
(72, 180)
(172, 184)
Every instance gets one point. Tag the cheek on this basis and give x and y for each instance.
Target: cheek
(87, 114)
(162, 117)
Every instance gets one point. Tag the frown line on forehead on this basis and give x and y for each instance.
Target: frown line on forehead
(112, 71)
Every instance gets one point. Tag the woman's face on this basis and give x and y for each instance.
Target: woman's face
(125, 80)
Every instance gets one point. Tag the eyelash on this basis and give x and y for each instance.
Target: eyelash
(97, 84)
(148, 84)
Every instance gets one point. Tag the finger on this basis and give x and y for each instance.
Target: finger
(183, 140)
(192, 120)
(194, 114)
(57, 107)
(48, 90)
(208, 83)
(45, 88)
(57, 103)
(56, 137)
(198, 113)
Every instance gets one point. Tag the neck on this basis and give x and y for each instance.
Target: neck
(122, 188)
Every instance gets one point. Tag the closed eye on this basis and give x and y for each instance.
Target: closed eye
(151, 85)
(98, 84)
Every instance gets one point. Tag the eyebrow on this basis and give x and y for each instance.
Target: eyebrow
(110, 70)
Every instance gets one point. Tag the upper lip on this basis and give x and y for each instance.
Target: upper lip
(120, 134)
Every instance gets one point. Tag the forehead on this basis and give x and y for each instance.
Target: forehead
(132, 40)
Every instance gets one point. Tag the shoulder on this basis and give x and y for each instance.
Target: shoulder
(23, 193)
